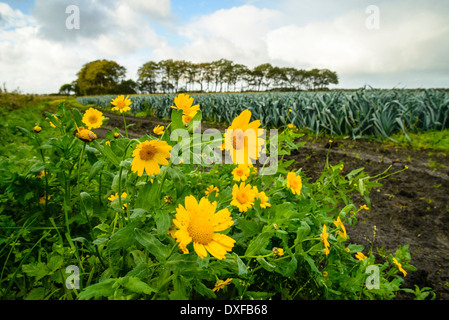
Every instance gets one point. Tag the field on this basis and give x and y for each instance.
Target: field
(394, 210)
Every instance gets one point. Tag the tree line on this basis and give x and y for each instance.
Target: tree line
(171, 76)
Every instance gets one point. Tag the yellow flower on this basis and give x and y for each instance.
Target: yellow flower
(341, 167)
(211, 189)
(277, 252)
(159, 130)
(57, 121)
(85, 134)
(340, 224)
(399, 266)
(243, 197)
(186, 118)
(221, 284)
(148, 155)
(93, 118)
(241, 172)
(263, 198)
(360, 256)
(242, 139)
(116, 135)
(198, 222)
(37, 129)
(184, 102)
(121, 104)
(324, 236)
(294, 182)
(364, 207)
(41, 174)
(325, 274)
(115, 196)
(107, 143)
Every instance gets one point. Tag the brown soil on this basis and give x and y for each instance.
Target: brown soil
(411, 207)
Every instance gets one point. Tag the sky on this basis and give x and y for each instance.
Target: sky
(377, 43)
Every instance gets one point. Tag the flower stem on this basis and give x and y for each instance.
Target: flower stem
(79, 169)
(124, 121)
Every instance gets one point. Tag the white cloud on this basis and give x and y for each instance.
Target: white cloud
(39, 54)
(237, 34)
(410, 39)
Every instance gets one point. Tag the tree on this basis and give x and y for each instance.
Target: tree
(147, 77)
(100, 77)
(259, 75)
(66, 89)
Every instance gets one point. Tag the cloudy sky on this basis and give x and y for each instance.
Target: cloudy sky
(381, 43)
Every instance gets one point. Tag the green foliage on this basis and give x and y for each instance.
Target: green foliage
(359, 114)
(125, 249)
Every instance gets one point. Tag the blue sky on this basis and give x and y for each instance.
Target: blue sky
(408, 47)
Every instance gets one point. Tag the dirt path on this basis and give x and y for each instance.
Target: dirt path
(410, 208)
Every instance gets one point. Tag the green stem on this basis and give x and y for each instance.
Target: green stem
(79, 169)
(124, 121)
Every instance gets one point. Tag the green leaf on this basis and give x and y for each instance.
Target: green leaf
(136, 285)
(302, 232)
(96, 168)
(176, 120)
(123, 238)
(86, 201)
(147, 198)
(36, 294)
(115, 181)
(138, 213)
(178, 179)
(98, 290)
(242, 267)
(152, 244)
(55, 262)
(265, 264)
(203, 290)
(163, 223)
(107, 152)
(38, 270)
(258, 243)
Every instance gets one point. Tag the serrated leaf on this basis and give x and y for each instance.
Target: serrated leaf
(38, 270)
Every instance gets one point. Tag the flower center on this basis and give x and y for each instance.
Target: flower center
(147, 152)
(242, 197)
(239, 172)
(120, 104)
(93, 119)
(201, 230)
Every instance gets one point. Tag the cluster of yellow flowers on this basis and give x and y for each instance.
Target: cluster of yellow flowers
(198, 221)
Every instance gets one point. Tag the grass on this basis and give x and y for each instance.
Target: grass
(434, 140)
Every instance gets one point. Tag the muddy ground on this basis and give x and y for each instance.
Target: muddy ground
(411, 207)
